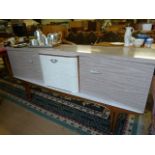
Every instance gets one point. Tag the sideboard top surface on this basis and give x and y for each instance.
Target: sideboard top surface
(139, 54)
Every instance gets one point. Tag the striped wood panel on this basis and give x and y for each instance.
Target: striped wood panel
(25, 64)
(120, 81)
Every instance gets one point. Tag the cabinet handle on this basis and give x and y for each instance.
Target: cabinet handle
(54, 60)
(95, 72)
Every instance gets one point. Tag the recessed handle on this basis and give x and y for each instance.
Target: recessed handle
(95, 72)
(54, 60)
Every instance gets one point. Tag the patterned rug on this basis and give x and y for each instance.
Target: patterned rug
(80, 115)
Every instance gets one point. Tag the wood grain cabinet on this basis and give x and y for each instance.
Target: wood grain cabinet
(119, 81)
(25, 65)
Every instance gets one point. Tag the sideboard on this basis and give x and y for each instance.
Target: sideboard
(116, 77)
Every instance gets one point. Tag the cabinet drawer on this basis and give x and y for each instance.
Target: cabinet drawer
(120, 81)
(60, 72)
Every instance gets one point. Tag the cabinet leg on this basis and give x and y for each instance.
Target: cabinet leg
(114, 117)
(27, 87)
(7, 65)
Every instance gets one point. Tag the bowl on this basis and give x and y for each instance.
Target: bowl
(138, 42)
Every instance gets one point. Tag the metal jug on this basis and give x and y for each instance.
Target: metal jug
(54, 38)
(38, 34)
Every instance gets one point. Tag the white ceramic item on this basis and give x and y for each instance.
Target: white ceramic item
(128, 36)
(138, 42)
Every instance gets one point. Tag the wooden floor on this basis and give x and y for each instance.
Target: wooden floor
(16, 120)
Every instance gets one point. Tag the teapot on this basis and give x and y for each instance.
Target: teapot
(128, 36)
(54, 38)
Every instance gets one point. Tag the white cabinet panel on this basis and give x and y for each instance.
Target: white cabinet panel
(60, 72)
